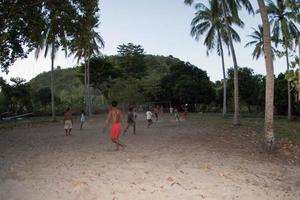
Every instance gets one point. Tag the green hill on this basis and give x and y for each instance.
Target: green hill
(69, 87)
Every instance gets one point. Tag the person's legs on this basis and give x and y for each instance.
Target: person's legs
(134, 128)
(116, 129)
(126, 128)
(81, 124)
(66, 130)
(70, 129)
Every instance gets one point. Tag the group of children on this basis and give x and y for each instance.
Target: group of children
(115, 117)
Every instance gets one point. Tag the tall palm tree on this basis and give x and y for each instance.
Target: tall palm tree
(269, 100)
(212, 23)
(53, 37)
(86, 43)
(231, 8)
(284, 30)
(258, 43)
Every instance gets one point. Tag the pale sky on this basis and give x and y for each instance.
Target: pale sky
(162, 27)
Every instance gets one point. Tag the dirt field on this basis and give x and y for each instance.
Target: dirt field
(170, 160)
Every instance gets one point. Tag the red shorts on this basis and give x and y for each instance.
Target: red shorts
(115, 131)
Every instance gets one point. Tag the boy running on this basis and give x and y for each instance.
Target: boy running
(131, 120)
(115, 116)
(68, 121)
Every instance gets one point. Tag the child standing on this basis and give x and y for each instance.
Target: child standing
(176, 115)
(82, 119)
(149, 118)
(68, 121)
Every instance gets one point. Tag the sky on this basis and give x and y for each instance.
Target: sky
(162, 27)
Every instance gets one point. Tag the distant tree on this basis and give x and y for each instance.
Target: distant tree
(249, 86)
(126, 92)
(280, 90)
(102, 74)
(132, 60)
(44, 96)
(186, 84)
(18, 95)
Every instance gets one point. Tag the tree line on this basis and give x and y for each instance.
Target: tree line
(134, 78)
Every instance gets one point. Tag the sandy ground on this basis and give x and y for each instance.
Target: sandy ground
(167, 161)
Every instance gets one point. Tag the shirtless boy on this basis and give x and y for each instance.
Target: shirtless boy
(115, 116)
(131, 120)
(68, 121)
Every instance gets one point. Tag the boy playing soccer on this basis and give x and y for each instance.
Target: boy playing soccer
(115, 116)
(131, 120)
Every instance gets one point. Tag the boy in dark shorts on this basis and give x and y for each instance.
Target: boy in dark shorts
(131, 120)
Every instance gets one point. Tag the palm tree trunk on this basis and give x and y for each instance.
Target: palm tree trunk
(269, 101)
(288, 86)
(85, 86)
(299, 69)
(88, 89)
(52, 85)
(224, 76)
(236, 117)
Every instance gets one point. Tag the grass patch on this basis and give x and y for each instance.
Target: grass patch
(283, 128)
(10, 124)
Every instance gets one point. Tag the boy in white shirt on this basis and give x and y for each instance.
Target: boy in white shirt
(149, 118)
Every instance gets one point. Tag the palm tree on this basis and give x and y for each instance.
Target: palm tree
(231, 8)
(53, 37)
(86, 43)
(213, 24)
(269, 101)
(284, 30)
(258, 43)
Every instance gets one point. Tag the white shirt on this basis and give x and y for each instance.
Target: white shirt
(148, 114)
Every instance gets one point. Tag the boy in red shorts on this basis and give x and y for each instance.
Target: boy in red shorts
(115, 116)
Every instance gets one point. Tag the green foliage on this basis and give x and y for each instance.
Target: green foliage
(258, 43)
(126, 92)
(15, 98)
(132, 60)
(186, 84)
(21, 23)
(68, 89)
(27, 25)
(251, 87)
(102, 73)
(284, 19)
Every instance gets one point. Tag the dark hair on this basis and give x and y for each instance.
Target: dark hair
(68, 108)
(82, 111)
(114, 103)
(130, 109)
